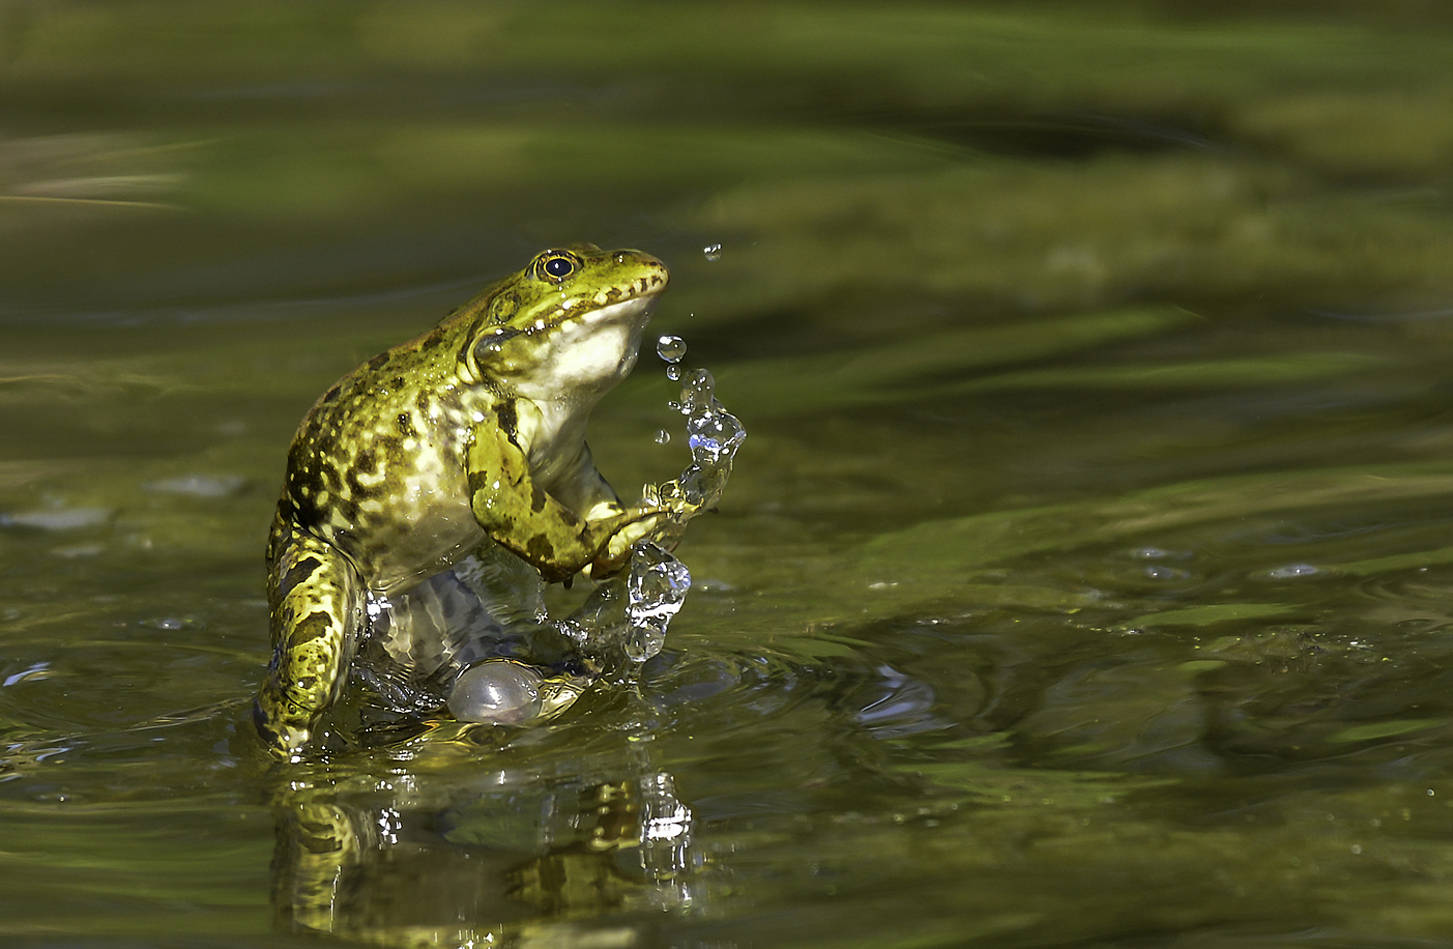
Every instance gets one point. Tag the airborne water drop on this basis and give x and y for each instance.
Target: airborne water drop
(671, 348)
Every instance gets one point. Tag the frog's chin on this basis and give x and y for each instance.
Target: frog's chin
(588, 354)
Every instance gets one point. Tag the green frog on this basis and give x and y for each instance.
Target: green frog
(471, 434)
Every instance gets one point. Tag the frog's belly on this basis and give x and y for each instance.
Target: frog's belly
(397, 556)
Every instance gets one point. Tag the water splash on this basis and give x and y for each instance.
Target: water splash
(478, 640)
(624, 622)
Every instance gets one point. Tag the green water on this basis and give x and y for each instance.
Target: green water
(1085, 578)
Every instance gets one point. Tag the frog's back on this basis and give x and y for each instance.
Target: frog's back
(377, 466)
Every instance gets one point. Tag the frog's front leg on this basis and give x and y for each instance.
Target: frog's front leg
(316, 599)
(532, 524)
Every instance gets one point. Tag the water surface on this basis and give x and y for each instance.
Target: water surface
(1085, 577)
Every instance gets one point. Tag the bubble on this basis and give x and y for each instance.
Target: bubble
(712, 252)
(671, 348)
(663, 437)
(673, 372)
(496, 692)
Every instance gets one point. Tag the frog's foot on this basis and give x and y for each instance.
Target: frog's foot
(661, 523)
(508, 692)
(285, 727)
(317, 605)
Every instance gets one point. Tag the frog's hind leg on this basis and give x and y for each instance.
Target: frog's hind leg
(317, 600)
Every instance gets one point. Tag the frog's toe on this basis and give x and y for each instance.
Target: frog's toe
(284, 739)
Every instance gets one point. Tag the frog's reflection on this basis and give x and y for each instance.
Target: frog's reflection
(417, 856)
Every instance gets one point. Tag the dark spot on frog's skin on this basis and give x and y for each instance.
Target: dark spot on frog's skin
(366, 462)
(331, 394)
(315, 625)
(299, 506)
(398, 382)
(422, 403)
(307, 516)
(540, 550)
(358, 491)
(347, 508)
(389, 448)
(378, 361)
(537, 498)
(509, 421)
(299, 572)
(406, 425)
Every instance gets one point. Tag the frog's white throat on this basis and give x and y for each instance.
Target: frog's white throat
(581, 360)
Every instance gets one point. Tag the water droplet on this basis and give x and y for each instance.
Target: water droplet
(673, 372)
(671, 348)
(696, 391)
(663, 437)
(655, 590)
(712, 252)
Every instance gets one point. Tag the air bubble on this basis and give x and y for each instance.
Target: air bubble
(497, 692)
(712, 252)
(663, 437)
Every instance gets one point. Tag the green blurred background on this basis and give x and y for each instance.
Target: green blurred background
(1084, 579)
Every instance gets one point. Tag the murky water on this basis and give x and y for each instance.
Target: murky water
(1085, 579)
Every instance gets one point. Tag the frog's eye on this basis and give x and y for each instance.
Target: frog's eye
(557, 267)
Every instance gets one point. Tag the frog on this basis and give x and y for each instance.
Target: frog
(471, 434)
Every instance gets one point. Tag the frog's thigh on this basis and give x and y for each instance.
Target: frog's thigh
(522, 517)
(317, 606)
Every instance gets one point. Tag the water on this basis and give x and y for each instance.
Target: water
(1085, 580)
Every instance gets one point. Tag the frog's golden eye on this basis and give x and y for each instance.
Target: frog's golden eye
(557, 267)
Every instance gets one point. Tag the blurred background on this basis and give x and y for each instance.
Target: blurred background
(1084, 578)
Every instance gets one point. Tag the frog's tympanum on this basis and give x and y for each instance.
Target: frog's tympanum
(471, 433)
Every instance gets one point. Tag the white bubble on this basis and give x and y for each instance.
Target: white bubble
(663, 437)
(712, 252)
(498, 692)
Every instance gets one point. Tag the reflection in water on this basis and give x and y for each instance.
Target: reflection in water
(407, 860)
(1008, 637)
(421, 858)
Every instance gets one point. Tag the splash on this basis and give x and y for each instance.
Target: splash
(624, 622)
(479, 640)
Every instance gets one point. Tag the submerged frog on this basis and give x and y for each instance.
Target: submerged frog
(470, 434)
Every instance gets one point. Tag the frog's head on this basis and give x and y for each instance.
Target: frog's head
(569, 325)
